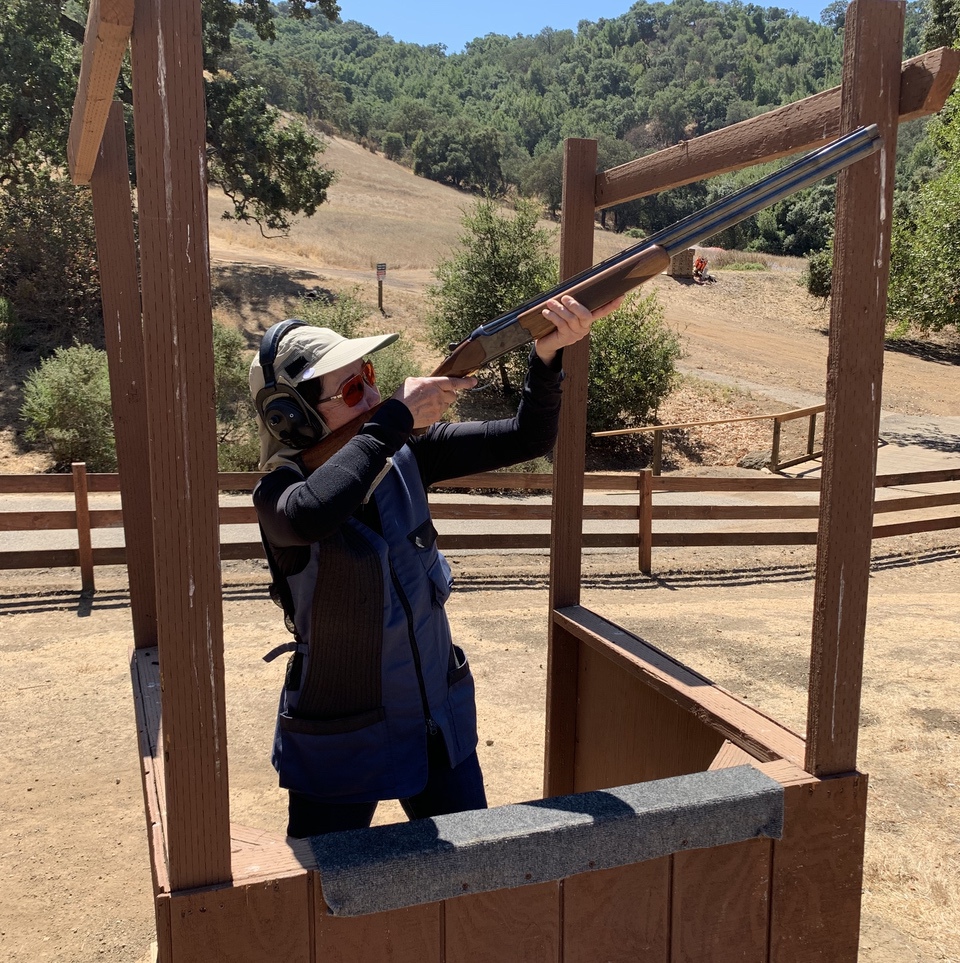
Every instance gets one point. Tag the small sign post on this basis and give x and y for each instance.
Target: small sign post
(381, 274)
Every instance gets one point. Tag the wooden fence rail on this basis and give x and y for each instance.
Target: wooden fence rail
(638, 515)
(778, 419)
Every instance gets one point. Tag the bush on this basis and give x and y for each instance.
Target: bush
(238, 447)
(344, 314)
(48, 263)
(818, 278)
(632, 364)
(502, 262)
(394, 365)
(67, 407)
(11, 332)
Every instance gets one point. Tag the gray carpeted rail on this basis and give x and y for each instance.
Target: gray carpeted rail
(388, 867)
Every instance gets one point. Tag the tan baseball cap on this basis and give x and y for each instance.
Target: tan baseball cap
(307, 352)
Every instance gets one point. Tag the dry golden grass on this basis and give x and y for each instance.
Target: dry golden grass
(377, 212)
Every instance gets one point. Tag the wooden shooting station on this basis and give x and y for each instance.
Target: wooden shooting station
(619, 710)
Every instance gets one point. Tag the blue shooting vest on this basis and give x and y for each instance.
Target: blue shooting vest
(377, 670)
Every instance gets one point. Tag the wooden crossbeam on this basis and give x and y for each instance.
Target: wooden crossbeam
(109, 24)
(925, 83)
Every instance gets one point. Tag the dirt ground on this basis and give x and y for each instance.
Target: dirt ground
(74, 856)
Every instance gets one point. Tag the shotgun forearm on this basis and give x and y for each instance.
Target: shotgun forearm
(629, 269)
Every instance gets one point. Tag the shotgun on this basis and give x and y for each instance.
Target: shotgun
(629, 269)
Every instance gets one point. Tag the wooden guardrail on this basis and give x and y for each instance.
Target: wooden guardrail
(638, 515)
(778, 418)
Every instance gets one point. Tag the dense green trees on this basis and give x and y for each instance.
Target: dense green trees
(268, 166)
(494, 117)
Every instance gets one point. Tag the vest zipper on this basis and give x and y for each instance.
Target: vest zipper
(432, 727)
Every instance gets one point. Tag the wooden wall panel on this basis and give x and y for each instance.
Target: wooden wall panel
(519, 925)
(618, 915)
(873, 38)
(721, 904)
(413, 935)
(258, 923)
(818, 872)
(627, 732)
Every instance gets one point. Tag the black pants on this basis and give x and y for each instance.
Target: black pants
(448, 790)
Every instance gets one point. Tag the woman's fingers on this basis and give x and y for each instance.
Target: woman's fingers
(429, 398)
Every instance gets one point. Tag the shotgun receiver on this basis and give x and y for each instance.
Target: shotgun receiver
(629, 269)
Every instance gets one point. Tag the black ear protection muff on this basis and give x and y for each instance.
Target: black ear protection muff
(287, 416)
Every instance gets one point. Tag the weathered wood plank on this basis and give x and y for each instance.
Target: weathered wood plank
(618, 915)
(818, 872)
(763, 737)
(630, 732)
(123, 334)
(166, 56)
(873, 39)
(413, 935)
(731, 755)
(145, 676)
(254, 923)
(721, 904)
(109, 23)
(576, 254)
(506, 926)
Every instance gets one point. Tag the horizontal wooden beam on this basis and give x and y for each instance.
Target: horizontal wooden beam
(925, 83)
(762, 737)
(109, 24)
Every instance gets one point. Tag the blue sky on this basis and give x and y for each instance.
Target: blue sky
(454, 22)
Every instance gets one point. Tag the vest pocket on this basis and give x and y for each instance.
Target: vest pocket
(461, 707)
(441, 580)
(351, 753)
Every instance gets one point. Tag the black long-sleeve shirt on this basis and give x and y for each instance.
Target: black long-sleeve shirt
(295, 511)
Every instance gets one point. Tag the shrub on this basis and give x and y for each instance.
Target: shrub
(11, 332)
(344, 314)
(502, 262)
(238, 447)
(632, 364)
(48, 263)
(818, 278)
(67, 407)
(394, 365)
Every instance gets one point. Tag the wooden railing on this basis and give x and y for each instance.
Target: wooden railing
(656, 462)
(638, 514)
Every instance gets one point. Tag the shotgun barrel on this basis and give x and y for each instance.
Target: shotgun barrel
(630, 268)
(618, 274)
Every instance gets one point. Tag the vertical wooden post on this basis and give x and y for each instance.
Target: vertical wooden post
(576, 254)
(871, 93)
(123, 332)
(811, 433)
(645, 515)
(84, 542)
(166, 55)
(775, 446)
(657, 452)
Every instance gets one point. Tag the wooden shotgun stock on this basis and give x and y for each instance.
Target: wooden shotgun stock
(627, 270)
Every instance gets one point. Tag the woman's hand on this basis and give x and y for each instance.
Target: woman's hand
(429, 398)
(572, 321)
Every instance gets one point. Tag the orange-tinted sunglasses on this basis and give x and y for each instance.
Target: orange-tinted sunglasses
(351, 391)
